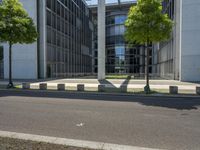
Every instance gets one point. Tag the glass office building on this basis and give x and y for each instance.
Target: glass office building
(121, 57)
(64, 45)
(178, 58)
(69, 36)
(164, 52)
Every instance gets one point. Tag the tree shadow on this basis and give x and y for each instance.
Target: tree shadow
(113, 87)
(125, 84)
(178, 103)
(107, 83)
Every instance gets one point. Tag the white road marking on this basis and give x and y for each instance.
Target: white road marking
(80, 124)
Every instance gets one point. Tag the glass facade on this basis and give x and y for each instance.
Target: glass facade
(69, 36)
(121, 57)
(164, 51)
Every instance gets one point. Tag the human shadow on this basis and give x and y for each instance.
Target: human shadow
(178, 103)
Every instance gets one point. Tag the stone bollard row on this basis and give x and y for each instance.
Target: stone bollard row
(80, 87)
(26, 86)
(101, 88)
(123, 88)
(173, 90)
(61, 87)
(198, 90)
(43, 86)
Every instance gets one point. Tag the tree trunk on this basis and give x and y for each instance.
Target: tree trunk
(147, 87)
(147, 68)
(10, 85)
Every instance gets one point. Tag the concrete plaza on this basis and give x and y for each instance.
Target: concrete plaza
(92, 84)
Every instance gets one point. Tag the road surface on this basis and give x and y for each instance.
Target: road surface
(152, 122)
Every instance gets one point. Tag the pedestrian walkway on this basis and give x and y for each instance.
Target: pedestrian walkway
(109, 83)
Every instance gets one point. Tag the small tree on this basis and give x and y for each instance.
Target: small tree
(15, 27)
(147, 24)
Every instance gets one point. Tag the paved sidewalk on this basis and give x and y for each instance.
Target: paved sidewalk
(110, 83)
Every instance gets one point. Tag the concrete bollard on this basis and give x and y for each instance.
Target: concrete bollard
(26, 86)
(43, 86)
(173, 90)
(61, 87)
(101, 88)
(198, 90)
(80, 87)
(123, 88)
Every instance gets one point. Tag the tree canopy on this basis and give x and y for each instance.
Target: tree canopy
(15, 24)
(15, 27)
(147, 23)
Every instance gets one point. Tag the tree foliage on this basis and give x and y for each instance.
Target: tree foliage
(15, 27)
(146, 22)
(15, 24)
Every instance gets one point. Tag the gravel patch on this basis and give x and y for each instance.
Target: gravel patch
(16, 144)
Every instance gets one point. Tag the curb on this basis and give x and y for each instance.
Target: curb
(70, 142)
(104, 93)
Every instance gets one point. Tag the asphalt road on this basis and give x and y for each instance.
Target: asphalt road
(153, 122)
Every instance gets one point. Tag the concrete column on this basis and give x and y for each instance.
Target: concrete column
(42, 39)
(101, 39)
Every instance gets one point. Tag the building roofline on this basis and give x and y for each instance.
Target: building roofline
(114, 4)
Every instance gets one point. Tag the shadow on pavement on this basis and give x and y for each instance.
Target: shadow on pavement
(126, 82)
(106, 82)
(179, 103)
(111, 85)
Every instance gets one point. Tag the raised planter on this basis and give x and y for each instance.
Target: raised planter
(80, 87)
(43, 86)
(173, 90)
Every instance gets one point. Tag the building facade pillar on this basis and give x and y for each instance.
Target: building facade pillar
(101, 39)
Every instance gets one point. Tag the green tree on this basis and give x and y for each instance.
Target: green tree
(146, 24)
(15, 27)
